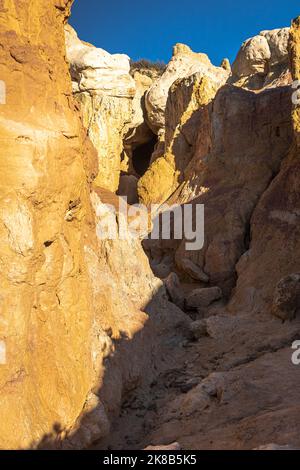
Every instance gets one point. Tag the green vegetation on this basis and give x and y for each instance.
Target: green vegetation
(145, 65)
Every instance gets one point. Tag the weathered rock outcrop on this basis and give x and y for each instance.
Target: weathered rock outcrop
(263, 60)
(184, 63)
(179, 103)
(111, 97)
(82, 316)
(286, 302)
(175, 106)
(186, 121)
(45, 293)
(274, 249)
(222, 149)
(249, 135)
(105, 90)
(72, 322)
(233, 384)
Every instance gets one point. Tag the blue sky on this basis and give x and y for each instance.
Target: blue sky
(149, 28)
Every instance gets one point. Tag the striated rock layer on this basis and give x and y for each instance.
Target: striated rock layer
(73, 306)
(45, 218)
(105, 90)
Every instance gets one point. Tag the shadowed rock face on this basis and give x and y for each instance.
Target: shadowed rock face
(274, 249)
(250, 134)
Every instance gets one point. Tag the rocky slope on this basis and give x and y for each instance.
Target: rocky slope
(234, 384)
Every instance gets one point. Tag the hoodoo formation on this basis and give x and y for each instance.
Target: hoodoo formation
(137, 342)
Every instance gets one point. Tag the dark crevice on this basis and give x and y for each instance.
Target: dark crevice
(141, 156)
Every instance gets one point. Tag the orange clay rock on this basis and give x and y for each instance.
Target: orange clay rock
(67, 299)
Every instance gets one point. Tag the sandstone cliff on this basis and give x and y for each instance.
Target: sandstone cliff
(43, 180)
(66, 305)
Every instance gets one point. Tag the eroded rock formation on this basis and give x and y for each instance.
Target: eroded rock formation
(243, 394)
(251, 134)
(175, 106)
(94, 347)
(274, 223)
(178, 104)
(105, 90)
(66, 306)
(184, 63)
(43, 182)
(263, 60)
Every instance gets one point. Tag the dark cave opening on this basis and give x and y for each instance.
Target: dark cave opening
(141, 156)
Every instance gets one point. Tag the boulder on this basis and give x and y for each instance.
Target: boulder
(174, 290)
(201, 298)
(128, 188)
(161, 270)
(173, 446)
(286, 301)
(278, 43)
(276, 447)
(253, 57)
(192, 270)
(198, 329)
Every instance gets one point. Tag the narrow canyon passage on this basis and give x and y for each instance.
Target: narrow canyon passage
(219, 389)
(110, 340)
